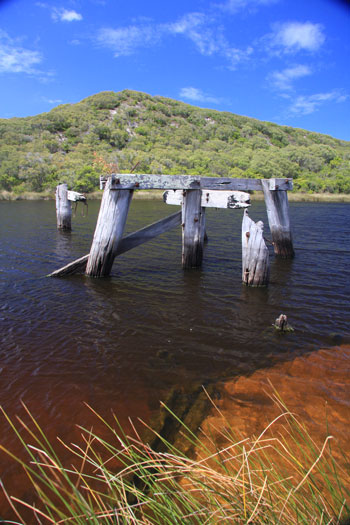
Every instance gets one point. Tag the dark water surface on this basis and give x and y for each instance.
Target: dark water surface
(124, 342)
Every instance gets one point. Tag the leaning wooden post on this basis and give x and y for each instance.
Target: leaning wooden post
(193, 229)
(278, 216)
(255, 254)
(63, 208)
(109, 230)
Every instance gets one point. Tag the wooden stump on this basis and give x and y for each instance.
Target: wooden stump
(193, 229)
(281, 324)
(255, 255)
(279, 222)
(63, 208)
(109, 230)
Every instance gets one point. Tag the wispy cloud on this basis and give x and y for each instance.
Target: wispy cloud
(237, 56)
(60, 14)
(196, 27)
(292, 37)
(197, 95)
(305, 105)
(283, 80)
(52, 101)
(65, 15)
(200, 29)
(16, 59)
(233, 6)
(126, 40)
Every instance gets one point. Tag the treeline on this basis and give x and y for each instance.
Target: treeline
(110, 132)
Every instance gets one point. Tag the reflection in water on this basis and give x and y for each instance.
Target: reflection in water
(125, 342)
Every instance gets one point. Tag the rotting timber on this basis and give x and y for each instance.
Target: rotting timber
(193, 194)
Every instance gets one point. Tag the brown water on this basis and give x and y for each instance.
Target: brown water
(124, 342)
(315, 387)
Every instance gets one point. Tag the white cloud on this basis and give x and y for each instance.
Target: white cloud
(192, 93)
(16, 59)
(297, 36)
(305, 105)
(283, 80)
(195, 27)
(237, 56)
(126, 40)
(60, 14)
(208, 38)
(65, 15)
(233, 6)
(200, 29)
(52, 101)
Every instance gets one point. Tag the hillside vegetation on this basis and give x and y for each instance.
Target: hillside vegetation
(109, 131)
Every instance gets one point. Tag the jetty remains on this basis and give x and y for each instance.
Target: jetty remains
(194, 194)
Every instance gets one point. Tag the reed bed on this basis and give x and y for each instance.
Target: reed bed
(284, 478)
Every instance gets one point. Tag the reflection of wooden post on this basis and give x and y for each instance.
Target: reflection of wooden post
(63, 208)
(109, 230)
(193, 229)
(255, 255)
(278, 216)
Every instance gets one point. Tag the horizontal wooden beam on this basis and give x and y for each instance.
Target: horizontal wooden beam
(128, 181)
(212, 198)
(127, 243)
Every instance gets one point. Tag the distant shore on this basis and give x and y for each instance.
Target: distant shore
(157, 195)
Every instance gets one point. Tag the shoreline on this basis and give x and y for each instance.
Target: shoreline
(158, 195)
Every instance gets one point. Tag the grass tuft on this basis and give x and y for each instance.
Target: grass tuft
(280, 477)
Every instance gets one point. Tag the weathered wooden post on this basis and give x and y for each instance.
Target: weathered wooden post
(63, 208)
(193, 229)
(109, 229)
(278, 215)
(255, 254)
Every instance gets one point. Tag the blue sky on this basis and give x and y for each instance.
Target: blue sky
(284, 61)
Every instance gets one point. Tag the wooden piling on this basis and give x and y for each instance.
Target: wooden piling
(109, 230)
(193, 229)
(63, 208)
(255, 254)
(278, 215)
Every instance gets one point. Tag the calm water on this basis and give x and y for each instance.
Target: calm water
(124, 342)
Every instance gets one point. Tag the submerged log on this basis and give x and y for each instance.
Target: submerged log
(278, 215)
(127, 243)
(63, 208)
(193, 229)
(109, 230)
(255, 254)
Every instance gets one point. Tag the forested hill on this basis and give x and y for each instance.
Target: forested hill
(111, 131)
